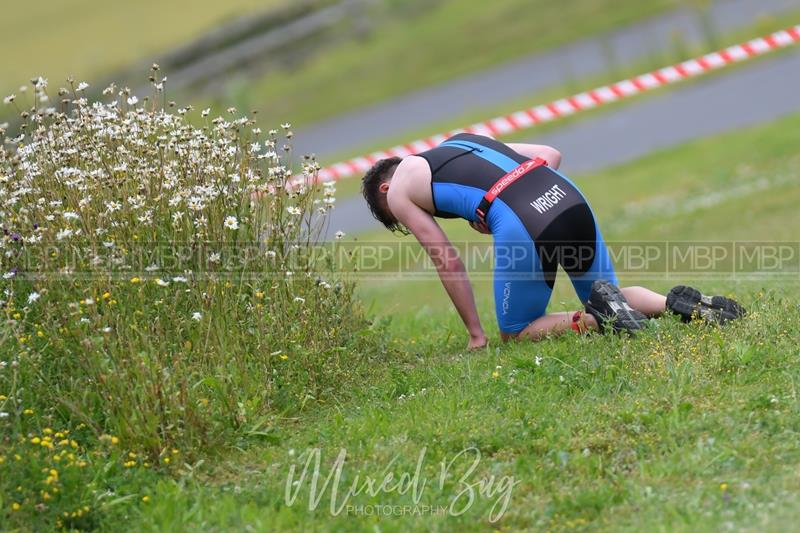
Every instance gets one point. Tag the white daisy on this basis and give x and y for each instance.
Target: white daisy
(231, 223)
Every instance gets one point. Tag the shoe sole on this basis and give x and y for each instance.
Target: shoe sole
(625, 318)
(689, 303)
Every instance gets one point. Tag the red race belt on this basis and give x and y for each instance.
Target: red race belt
(501, 184)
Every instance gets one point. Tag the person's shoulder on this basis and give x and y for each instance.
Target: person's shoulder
(412, 166)
(407, 177)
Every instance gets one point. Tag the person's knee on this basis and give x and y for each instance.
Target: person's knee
(505, 337)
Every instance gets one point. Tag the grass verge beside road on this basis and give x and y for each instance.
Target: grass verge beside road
(351, 185)
(450, 39)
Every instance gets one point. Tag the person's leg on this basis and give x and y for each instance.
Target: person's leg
(645, 301)
(555, 324)
(521, 290)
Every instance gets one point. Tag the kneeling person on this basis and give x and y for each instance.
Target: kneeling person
(539, 220)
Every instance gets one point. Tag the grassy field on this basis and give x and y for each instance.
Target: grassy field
(684, 428)
(450, 39)
(88, 38)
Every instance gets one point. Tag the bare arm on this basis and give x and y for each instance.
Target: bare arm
(448, 264)
(548, 153)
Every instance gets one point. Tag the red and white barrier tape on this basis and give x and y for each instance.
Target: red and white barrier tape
(580, 102)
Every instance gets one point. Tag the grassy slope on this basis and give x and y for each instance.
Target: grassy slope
(684, 428)
(85, 38)
(451, 38)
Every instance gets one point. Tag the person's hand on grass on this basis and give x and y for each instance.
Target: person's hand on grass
(476, 342)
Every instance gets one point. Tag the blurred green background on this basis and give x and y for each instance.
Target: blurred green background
(354, 53)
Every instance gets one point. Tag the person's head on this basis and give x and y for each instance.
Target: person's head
(375, 185)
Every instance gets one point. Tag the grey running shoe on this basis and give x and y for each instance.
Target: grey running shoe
(607, 304)
(689, 303)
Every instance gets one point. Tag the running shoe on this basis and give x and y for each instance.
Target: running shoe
(689, 303)
(608, 305)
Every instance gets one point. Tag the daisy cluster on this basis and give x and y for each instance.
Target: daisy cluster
(110, 178)
(157, 270)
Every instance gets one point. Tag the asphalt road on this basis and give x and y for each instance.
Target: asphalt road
(578, 60)
(742, 97)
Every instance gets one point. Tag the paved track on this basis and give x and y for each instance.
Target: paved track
(745, 96)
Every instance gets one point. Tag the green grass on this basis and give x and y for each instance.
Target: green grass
(684, 428)
(429, 43)
(89, 38)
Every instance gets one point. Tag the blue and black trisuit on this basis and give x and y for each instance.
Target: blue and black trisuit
(538, 222)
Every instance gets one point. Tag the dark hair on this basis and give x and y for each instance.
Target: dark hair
(370, 188)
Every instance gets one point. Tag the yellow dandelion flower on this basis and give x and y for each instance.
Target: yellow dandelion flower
(723, 486)
(136, 280)
(146, 499)
(114, 440)
(167, 460)
(27, 412)
(36, 440)
(15, 506)
(106, 295)
(284, 357)
(495, 374)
